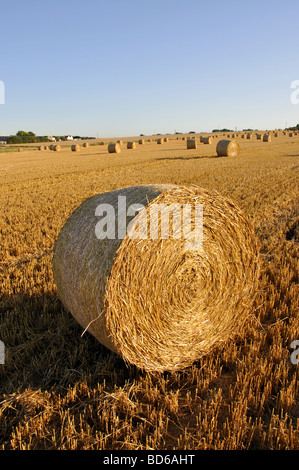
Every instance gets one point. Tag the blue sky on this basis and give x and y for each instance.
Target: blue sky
(120, 68)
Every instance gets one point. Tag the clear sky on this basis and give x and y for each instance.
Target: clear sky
(120, 68)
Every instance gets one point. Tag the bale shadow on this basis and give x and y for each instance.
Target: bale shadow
(198, 157)
(45, 348)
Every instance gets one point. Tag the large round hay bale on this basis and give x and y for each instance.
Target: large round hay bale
(259, 136)
(40, 147)
(46, 147)
(160, 141)
(267, 138)
(166, 139)
(158, 304)
(249, 136)
(86, 144)
(131, 145)
(114, 148)
(20, 149)
(75, 148)
(57, 148)
(141, 141)
(191, 144)
(227, 148)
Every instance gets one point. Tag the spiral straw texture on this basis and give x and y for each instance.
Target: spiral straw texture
(158, 305)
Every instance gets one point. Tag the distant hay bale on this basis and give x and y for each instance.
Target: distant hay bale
(228, 148)
(159, 306)
(120, 142)
(183, 138)
(46, 147)
(51, 147)
(131, 145)
(40, 147)
(159, 141)
(20, 149)
(259, 136)
(249, 136)
(57, 148)
(276, 134)
(114, 148)
(206, 140)
(141, 141)
(267, 138)
(191, 144)
(166, 139)
(86, 144)
(101, 143)
(243, 136)
(75, 148)
(291, 134)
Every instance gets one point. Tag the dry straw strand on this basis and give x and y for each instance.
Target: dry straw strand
(158, 305)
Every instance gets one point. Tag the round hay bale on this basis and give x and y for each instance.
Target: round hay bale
(166, 139)
(75, 148)
(114, 148)
(183, 138)
(40, 147)
(20, 149)
(141, 141)
(191, 144)
(86, 144)
(227, 148)
(46, 147)
(291, 134)
(152, 301)
(249, 136)
(243, 136)
(267, 138)
(131, 145)
(57, 148)
(120, 142)
(160, 141)
(259, 136)
(101, 143)
(206, 140)
(51, 147)
(276, 134)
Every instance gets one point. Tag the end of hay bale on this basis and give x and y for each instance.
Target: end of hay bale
(227, 148)
(114, 148)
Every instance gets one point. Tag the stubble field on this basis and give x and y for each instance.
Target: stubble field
(62, 390)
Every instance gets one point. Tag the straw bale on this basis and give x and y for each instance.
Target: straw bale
(227, 148)
(114, 148)
(191, 144)
(131, 145)
(156, 304)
